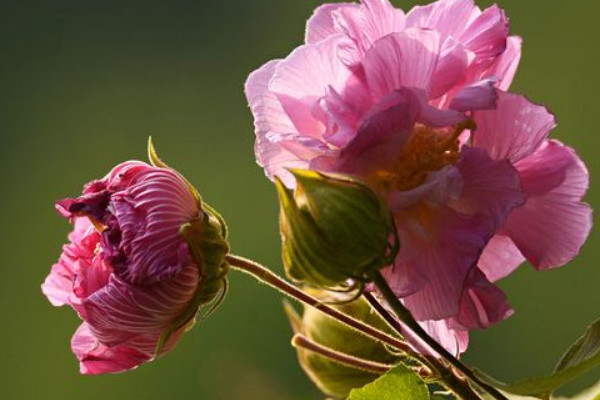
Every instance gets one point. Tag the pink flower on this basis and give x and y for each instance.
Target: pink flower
(416, 105)
(127, 270)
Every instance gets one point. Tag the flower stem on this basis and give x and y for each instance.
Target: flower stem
(407, 319)
(302, 342)
(268, 277)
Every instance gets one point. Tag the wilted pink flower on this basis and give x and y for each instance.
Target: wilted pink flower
(127, 270)
(416, 105)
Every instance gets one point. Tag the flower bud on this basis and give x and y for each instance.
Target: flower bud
(335, 230)
(145, 255)
(332, 378)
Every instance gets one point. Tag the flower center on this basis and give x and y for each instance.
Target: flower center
(426, 151)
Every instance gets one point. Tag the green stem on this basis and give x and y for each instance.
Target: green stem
(268, 277)
(302, 342)
(407, 319)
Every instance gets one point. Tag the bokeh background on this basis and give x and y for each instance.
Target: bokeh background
(82, 85)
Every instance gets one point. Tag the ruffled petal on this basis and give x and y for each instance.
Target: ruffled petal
(505, 66)
(304, 77)
(482, 305)
(500, 258)
(402, 60)
(321, 24)
(479, 96)
(443, 246)
(95, 358)
(554, 223)
(136, 316)
(451, 67)
(75, 259)
(270, 122)
(514, 130)
(489, 186)
(365, 24)
(486, 34)
(449, 17)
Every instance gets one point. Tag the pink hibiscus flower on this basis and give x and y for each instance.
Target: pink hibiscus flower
(127, 270)
(416, 105)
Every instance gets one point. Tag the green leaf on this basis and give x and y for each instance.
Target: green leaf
(582, 356)
(399, 383)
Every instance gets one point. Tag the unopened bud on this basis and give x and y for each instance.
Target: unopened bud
(332, 377)
(335, 230)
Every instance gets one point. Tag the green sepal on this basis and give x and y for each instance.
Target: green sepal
(334, 229)
(332, 378)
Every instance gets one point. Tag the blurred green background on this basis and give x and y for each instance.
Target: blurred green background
(83, 83)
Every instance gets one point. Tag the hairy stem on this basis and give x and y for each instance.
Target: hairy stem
(268, 277)
(407, 319)
(302, 342)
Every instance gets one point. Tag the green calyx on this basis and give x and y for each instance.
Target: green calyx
(334, 229)
(336, 379)
(207, 238)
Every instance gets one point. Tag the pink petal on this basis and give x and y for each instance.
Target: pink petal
(479, 96)
(150, 213)
(453, 339)
(553, 225)
(449, 17)
(304, 77)
(367, 23)
(321, 24)
(402, 60)
(451, 68)
(486, 34)
(506, 65)
(76, 256)
(443, 246)
(500, 258)
(489, 186)
(514, 130)
(483, 304)
(96, 358)
(270, 120)
(136, 316)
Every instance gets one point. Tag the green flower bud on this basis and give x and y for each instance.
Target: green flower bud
(331, 377)
(334, 229)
